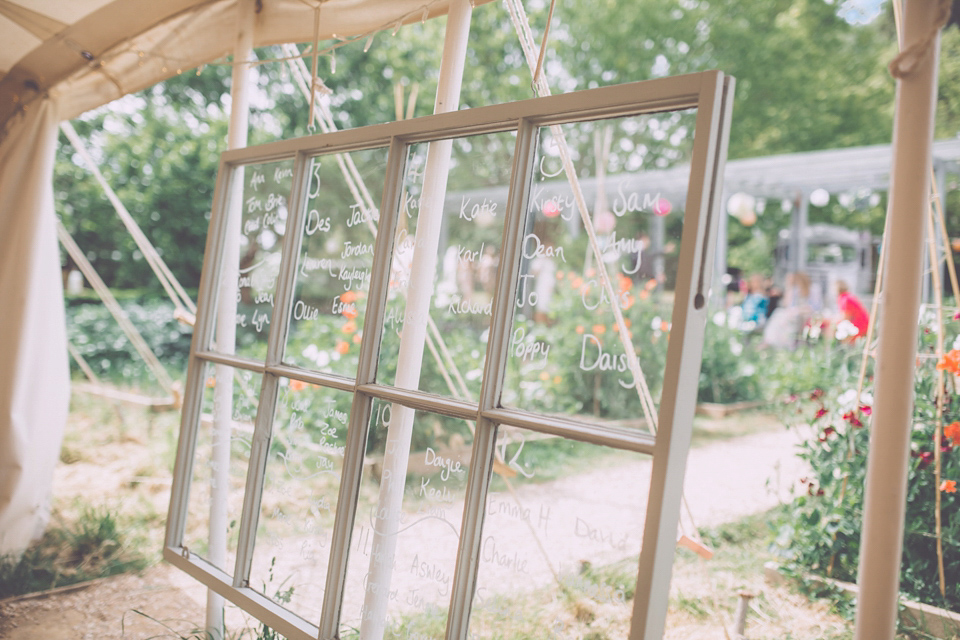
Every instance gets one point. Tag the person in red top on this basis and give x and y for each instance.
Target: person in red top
(852, 309)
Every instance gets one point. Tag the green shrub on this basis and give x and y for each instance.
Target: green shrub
(95, 334)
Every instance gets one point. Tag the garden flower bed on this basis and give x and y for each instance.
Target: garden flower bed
(821, 535)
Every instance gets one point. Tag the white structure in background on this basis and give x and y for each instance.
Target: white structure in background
(833, 253)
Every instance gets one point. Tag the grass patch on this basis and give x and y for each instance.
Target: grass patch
(94, 546)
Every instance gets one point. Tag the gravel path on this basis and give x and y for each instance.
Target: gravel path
(531, 535)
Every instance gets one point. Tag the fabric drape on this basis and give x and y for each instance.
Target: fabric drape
(34, 370)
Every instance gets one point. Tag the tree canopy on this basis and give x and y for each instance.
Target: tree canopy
(806, 79)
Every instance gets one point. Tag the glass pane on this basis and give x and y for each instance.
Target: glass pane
(219, 472)
(567, 355)
(461, 285)
(335, 259)
(300, 496)
(404, 545)
(252, 258)
(563, 526)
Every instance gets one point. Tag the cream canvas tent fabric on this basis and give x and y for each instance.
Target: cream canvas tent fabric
(34, 378)
(59, 59)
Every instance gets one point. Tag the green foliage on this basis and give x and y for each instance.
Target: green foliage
(822, 531)
(98, 338)
(95, 546)
(729, 371)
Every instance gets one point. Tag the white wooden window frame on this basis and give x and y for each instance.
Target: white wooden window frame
(711, 94)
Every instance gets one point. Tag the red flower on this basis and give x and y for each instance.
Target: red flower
(866, 410)
(816, 393)
(852, 418)
(925, 459)
(827, 433)
(948, 486)
(820, 413)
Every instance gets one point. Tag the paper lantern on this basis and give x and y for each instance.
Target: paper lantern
(604, 222)
(820, 197)
(662, 208)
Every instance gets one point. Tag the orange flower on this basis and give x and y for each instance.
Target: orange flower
(357, 338)
(952, 431)
(624, 283)
(664, 325)
(629, 300)
(348, 297)
(211, 382)
(948, 486)
(342, 347)
(644, 294)
(297, 385)
(599, 329)
(576, 283)
(350, 327)
(557, 379)
(950, 362)
(579, 328)
(559, 275)
(350, 313)
(651, 284)
(544, 376)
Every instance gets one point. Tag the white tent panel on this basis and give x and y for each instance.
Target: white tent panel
(35, 377)
(106, 50)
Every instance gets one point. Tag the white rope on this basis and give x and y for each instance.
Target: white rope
(174, 290)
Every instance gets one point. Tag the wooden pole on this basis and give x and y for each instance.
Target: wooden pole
(886, 484)
(227, 316)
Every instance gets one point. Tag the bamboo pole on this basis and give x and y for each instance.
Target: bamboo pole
(941, 396)
(410, 358)
(227, 315)
(884, 502)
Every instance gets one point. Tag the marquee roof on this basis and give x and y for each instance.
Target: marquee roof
(94, 51)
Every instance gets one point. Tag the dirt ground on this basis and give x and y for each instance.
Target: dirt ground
(727, 478)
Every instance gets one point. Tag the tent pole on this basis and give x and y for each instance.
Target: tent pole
(410, 357)
(803, 221)
(227, 315)
(886, 484)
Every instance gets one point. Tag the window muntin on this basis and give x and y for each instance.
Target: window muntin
(300, 492)
(467, 264)
(215, 450)
(708, 92)
(637, 221)
(339, 229)
(251, 268)
(408, 560)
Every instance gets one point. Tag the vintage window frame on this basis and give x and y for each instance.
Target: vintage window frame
(710, 93)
